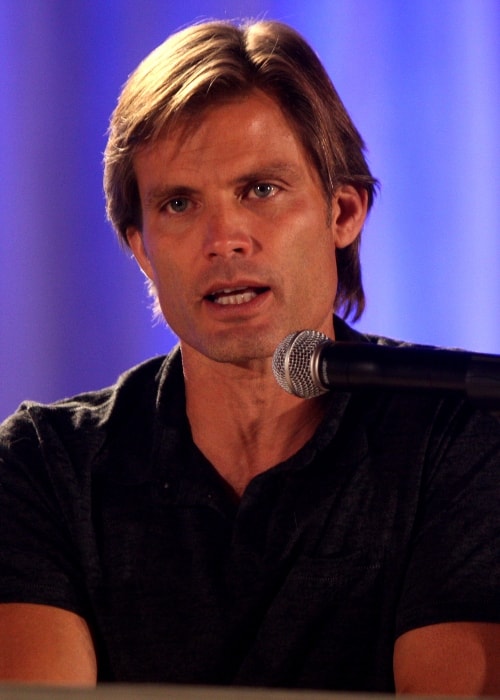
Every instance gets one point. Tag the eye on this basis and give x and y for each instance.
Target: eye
(177, 205)
(262, 190)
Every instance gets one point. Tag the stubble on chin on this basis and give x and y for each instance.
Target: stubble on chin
(240, 350)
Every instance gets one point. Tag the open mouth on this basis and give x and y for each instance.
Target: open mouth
(238, 295)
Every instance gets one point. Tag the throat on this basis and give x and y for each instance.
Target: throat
(240, 453)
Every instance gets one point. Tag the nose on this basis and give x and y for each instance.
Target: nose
(226, 233)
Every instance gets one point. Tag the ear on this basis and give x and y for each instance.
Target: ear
(135, 240)
(349, 211)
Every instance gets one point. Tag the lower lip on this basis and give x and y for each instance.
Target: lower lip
(235, 311)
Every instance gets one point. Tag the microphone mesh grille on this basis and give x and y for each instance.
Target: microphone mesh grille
(292, 363)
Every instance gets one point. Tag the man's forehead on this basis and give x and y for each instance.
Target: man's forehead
(242, 139)
(195, 114)
(248, 111)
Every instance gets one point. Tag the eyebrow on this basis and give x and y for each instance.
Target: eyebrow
(165, 192)
(266, 171)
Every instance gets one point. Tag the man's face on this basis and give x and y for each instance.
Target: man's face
(235, 232)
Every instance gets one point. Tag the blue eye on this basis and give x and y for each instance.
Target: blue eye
(264, 189)
(178, 205)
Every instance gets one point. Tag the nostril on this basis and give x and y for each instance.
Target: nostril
(219, 246)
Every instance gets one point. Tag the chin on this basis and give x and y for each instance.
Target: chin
(240, 350)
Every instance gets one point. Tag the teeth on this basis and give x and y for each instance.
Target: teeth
(230, 297)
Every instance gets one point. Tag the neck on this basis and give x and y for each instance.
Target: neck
(242, 421)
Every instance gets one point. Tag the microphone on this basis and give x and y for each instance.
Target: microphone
(308, 363)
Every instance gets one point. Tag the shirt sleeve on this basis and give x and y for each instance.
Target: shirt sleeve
(453, 571)
(40, 550)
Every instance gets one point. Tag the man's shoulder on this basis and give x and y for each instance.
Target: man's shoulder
(413, 412)
(130, 398)
(345, 333)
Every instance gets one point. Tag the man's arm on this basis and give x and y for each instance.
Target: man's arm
(455, 658)
(44, 644)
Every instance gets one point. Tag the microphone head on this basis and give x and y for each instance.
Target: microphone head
(292, 363)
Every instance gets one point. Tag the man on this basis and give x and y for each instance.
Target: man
(197, 524)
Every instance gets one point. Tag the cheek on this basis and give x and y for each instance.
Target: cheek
(169, 281)
(175, 286)
(315, 269)
(173, 303)
(310, 242)
(161, 261)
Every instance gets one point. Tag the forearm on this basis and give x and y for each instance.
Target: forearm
(43, 644)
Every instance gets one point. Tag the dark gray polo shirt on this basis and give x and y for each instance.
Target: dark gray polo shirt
(385, 521)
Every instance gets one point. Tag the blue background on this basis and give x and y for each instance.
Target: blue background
(421, 80)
